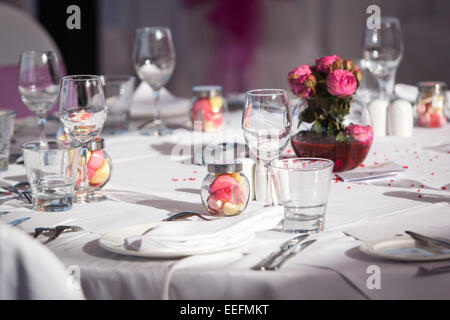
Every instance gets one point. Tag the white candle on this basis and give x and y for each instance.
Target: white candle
(378, 112)
(400, 119)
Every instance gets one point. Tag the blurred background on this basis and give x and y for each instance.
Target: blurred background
(238, 44)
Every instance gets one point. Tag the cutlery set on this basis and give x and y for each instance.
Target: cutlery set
(52, 233)
(287, 250)
(21, 189)
(55, 232)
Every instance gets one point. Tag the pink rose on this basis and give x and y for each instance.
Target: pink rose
(324, 64)
(296, 81)
(341, 83)
(362, 134)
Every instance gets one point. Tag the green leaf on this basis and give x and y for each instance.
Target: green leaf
(341, 136)
(317, 127)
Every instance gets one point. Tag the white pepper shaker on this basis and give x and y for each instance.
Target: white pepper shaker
(400, 118)
(378, 111)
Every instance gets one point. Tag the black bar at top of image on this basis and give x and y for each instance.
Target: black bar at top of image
(77, 46)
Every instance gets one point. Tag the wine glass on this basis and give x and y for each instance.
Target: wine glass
(82, 111)
(383, 51)
(39, 77)
(267, 126)
(154, 61)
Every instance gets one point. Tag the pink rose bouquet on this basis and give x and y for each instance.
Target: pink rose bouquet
(329, 87)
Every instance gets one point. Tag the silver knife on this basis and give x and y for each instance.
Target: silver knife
(296, 249)
(436, 242)
(274, 255)
(18, 221)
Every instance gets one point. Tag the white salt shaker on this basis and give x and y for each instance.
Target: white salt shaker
(400, 119)
(378, 112)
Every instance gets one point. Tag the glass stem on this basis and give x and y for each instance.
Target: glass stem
(267, 181)
(269, 200)
(156, 104)
(387, 84)
(84, 184)
(41, 124)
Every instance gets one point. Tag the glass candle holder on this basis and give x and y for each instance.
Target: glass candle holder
(431, 104)
(225, 190)
(208, 108)
(99, 164)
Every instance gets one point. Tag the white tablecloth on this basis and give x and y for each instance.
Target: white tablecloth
(147, 185)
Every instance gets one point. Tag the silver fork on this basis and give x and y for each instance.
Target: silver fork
(56, 231)
(39, 230)
(28, 195)
(14, 190)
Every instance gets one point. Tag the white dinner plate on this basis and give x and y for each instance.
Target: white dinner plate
(404, 249)
(114, 240)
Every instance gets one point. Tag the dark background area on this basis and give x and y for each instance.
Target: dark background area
(79, 46)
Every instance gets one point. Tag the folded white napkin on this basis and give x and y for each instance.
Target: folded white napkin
(409, 92)
(380, 170)
(206, 235)
(143, 103)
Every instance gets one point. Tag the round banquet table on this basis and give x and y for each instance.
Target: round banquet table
(147, 185)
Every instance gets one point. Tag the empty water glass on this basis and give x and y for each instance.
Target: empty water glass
(7, 119)
(52, 168)
(118, 95)
(302, 186)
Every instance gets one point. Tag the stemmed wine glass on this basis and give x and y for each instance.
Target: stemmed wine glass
(39, 77)
(82, 111)
(267, 126)
(383, 51)
(154, 61)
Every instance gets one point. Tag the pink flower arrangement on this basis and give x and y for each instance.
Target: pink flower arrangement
(329, 86)
(330, 76)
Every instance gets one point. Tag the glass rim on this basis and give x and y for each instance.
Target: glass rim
(266, 92)
(81, 77)
(431, 83)
(69, 145)
(118, 77)
(329, 163)
(35, 52)
(147, 29)
(7, 112)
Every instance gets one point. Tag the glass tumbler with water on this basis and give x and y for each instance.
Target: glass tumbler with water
(52, 168)
(302, 186)
(118, 91)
